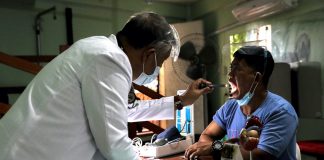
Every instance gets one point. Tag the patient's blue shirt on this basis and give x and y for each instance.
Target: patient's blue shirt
(279, 119)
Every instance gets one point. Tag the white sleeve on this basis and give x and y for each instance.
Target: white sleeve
(105, 87)
(146, 110)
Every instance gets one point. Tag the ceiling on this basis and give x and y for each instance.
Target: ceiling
(17, 3)
(172, 1)
(26, 4)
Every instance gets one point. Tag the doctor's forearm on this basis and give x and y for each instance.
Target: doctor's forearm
(157, 109)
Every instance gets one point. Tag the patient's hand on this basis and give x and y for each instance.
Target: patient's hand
(249, 135)
(198, 149)
(249, 139)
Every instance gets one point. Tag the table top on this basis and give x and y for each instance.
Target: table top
(179, 156)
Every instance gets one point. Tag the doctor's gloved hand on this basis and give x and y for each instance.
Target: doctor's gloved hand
(193, 91)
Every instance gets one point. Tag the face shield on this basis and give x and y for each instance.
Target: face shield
(175, 44)
(170, 45)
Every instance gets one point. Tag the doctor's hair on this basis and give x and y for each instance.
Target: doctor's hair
(148, 29)
(258, 58)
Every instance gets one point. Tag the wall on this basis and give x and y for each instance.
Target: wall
(97, 17)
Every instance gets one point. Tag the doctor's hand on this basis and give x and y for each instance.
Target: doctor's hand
(193, 91)
(197, 150)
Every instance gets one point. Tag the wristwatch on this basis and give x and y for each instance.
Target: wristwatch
(178, 103)
(217, 146)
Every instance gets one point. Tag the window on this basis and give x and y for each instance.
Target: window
(259, 36)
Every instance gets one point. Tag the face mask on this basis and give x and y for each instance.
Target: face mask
(248, 96)
(144, 78)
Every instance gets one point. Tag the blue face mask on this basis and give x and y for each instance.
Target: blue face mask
(248, 96)
(246, 99)
(144, 78)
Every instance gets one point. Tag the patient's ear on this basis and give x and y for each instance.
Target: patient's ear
(258, 76)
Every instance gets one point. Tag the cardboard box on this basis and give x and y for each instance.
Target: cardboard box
(165, 150)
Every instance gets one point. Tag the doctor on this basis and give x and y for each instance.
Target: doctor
(76, 106)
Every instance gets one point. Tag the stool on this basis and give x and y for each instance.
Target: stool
(312, 147)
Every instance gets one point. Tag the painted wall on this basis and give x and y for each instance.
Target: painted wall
(98, 17)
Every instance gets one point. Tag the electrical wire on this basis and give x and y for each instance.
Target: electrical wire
(184, 126)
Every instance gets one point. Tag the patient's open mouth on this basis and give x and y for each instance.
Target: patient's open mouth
(232, 89)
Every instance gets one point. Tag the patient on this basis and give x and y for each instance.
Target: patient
(262, 123)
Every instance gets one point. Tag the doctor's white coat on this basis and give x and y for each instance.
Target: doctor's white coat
(76, 108)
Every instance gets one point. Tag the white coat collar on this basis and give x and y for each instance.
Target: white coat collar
(113, 39)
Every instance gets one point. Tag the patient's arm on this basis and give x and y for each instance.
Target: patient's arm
(212, 132)
(4, 108)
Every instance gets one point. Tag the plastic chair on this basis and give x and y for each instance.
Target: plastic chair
(298, 155)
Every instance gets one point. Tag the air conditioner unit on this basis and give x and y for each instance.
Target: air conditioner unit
(247, 10)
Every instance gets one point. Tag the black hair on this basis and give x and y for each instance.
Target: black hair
(4, 98)
(147, 29)
(258, 58)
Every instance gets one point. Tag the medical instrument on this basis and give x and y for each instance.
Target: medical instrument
(204, 85)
